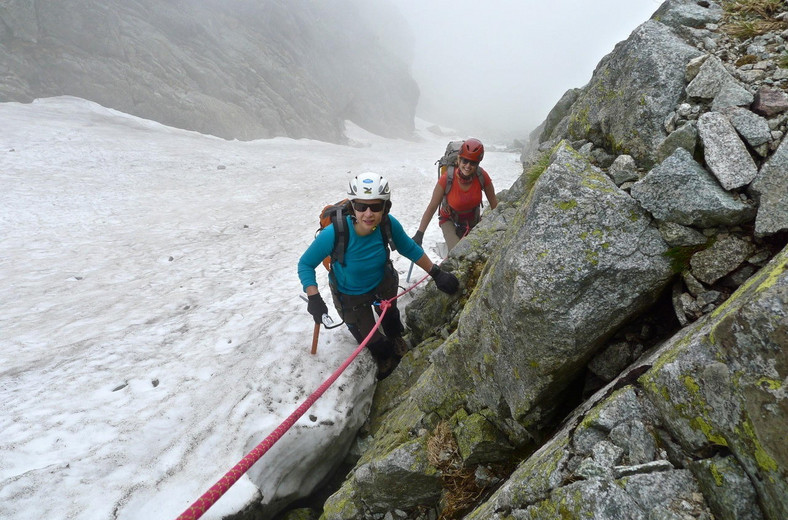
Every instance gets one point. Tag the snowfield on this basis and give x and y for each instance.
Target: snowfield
(151, 330)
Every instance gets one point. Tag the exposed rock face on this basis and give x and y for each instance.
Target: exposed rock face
(770, 188)
(581, 240)
(236, 69)
(655, 289)
(723, 449)
(679, 190)
(635, 86)
(724, 151)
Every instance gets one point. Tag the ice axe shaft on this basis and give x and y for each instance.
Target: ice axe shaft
(326, 321)
(409, 272)
(315, 335)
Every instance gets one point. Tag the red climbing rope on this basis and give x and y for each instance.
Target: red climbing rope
(209, 498)
(406, 291)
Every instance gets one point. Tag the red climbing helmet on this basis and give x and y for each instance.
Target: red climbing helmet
(472, 149)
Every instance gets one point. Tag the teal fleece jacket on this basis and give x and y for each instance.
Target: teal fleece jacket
(365, 257)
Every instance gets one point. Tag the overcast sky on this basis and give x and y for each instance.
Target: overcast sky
(501, 65)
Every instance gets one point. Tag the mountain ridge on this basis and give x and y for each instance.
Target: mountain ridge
(238, 69)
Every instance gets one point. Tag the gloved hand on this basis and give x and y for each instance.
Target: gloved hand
(316, 307)
(418, 237)
(444, 280)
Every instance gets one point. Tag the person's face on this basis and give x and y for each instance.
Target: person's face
(468, 168)
(368, 213)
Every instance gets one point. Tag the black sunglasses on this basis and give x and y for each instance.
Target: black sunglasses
(463, 160)
(361, 207)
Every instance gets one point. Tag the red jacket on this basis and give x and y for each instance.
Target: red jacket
(462, 203)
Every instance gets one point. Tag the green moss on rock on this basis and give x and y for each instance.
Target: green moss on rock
(566, 205)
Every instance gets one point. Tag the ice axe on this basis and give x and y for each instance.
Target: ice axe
(409, 271)
(315, 335)
(327, 323)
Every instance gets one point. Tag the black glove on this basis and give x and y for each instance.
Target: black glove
(444, 280)
(317, 307)
(418, 237)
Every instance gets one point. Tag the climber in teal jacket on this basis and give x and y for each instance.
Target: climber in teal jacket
(366, 257)
(362, 272)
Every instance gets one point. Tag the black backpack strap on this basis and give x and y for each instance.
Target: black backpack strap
(480, 175)
(341, 235)
(449, 181)
(388, 240)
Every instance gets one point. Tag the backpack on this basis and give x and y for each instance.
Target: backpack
(450, 156)
(335, 214)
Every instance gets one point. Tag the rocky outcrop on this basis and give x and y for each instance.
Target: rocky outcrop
(582, 241)
(635, 86)
(235, 69)
(696, 434)
(618, 346)
(679, 190)
(769, 189)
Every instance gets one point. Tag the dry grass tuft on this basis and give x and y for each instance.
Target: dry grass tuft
(459, 483)
(743, 29)
(761, 8)
(747, 18)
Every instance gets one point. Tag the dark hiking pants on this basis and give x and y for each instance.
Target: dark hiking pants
(357, 311)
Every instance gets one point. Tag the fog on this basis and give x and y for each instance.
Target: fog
(496, 68)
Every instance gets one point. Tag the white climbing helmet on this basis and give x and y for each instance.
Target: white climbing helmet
(369, 186)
